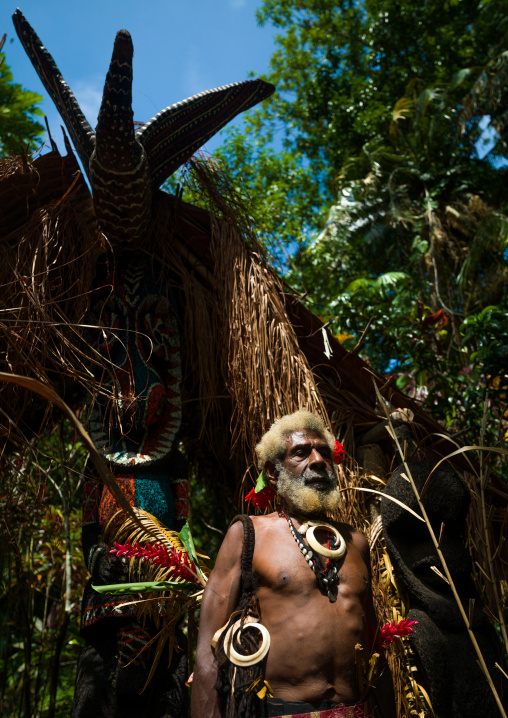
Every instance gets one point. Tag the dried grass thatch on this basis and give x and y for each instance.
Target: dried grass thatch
(49, 245)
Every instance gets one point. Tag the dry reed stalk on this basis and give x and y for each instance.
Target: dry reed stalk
(487, 531)
(408, 476)
(390, 602)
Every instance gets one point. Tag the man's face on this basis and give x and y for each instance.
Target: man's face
(306, 478)
(309, 459)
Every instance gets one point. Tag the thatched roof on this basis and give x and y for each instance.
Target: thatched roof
(48, 231)
(48, 228)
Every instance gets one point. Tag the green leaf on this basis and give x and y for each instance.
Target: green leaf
(401, 381)
(119, 589)
(261, 483)
(360, 283)
(185, 537)
(391, 278)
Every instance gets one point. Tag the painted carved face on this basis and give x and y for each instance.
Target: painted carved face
(136, 424)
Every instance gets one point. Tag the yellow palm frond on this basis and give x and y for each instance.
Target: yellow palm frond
(151, 531)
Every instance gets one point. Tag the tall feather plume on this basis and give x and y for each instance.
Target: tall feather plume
(81, 133)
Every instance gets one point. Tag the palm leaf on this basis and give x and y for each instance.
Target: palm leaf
(166, 602)
(149, 530)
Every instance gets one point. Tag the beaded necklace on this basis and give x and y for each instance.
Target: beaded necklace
(327, 577)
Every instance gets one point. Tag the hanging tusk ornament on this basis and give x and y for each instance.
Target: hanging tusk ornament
(237, 658)
(307, 529)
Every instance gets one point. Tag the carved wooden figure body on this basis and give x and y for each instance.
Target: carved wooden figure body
(441, 643)
(136, 419)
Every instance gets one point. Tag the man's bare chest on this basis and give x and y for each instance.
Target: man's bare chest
(281, 568)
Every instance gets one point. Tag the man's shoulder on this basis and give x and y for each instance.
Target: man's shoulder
(352, 534)
(265, 522)
(265, 519)
(260, 523)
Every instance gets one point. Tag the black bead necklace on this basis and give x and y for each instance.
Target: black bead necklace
(327, 577)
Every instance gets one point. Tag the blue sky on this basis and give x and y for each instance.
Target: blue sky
(180, 48)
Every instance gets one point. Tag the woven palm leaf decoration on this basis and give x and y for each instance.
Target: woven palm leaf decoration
(165, 567)
(169, 555)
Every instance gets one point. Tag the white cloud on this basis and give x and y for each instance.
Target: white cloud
(193, 76)
(89, 96)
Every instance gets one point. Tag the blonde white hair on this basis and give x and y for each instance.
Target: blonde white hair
(272, 446)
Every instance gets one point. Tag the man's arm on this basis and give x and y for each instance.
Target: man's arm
(219, 601)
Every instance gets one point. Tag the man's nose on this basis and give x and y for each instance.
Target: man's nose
(315, 458)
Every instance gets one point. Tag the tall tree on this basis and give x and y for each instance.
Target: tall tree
(19, 129)
(339, 68)
(383, 104)
(416, 246)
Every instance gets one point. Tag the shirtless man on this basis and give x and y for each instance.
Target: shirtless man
(313, 625)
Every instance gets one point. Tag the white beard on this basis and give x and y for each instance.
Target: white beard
(303, 499)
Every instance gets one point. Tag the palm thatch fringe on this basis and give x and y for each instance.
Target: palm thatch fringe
(47, 269)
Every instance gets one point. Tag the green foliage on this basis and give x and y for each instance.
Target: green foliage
(19, 129)
(339, 68)
(274, 183)
(419, 200)
(210, 516)
(384, 103)
(42, 576)
(486, 331)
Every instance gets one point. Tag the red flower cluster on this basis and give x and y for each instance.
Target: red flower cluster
(390, 631)
(338, 453)
(177, 561)
(262, 498)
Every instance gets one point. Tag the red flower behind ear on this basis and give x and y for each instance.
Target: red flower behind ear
(261, 499)
(338, 453)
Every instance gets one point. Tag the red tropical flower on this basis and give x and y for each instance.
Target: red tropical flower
(261, 499)
(176, 561)
(338, 453)
(390, 631)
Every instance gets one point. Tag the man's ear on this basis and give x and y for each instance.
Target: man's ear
(271, 473)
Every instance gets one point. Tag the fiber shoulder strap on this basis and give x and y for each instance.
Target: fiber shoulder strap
(248, 585)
